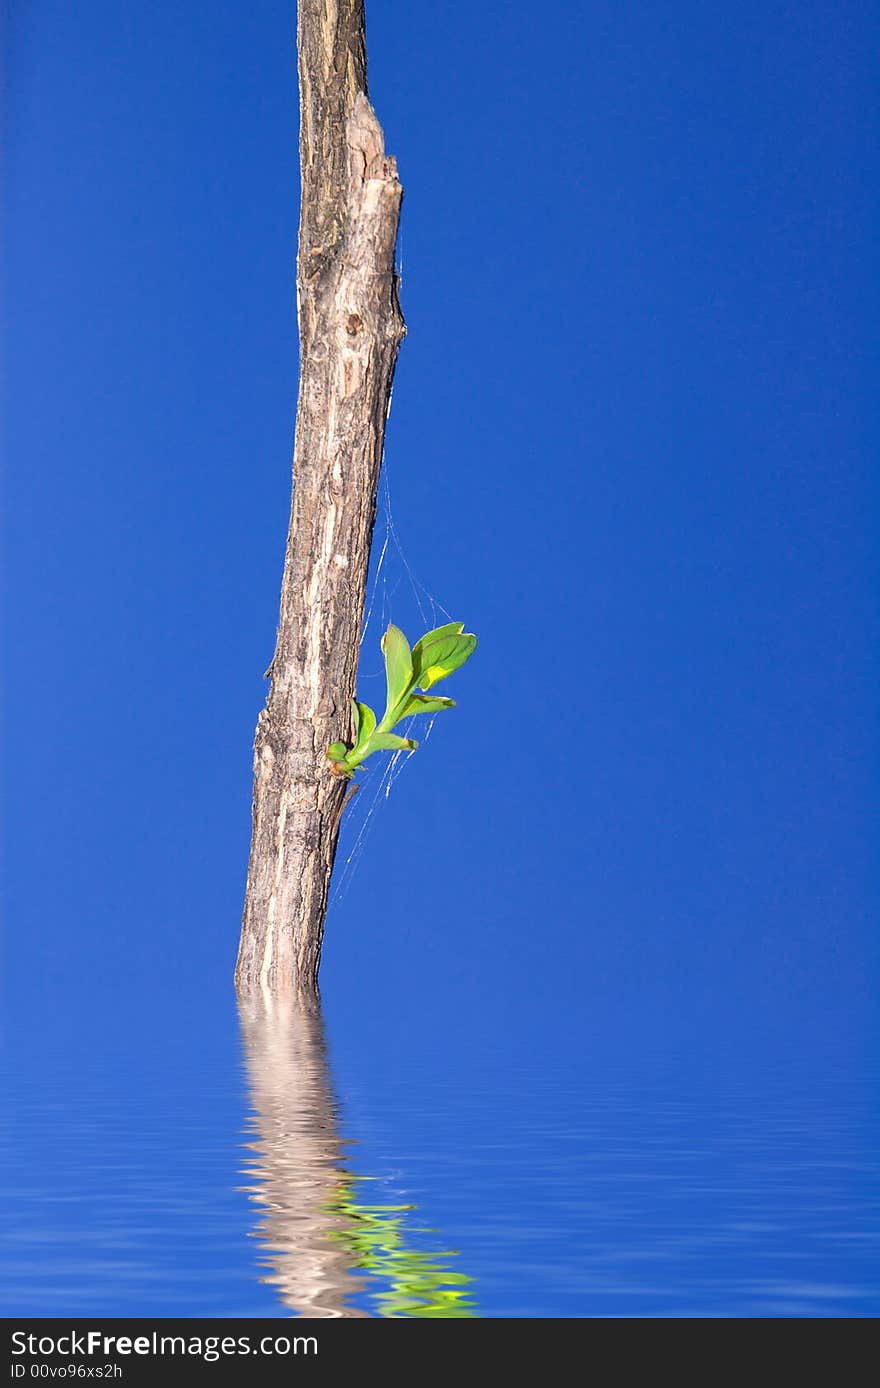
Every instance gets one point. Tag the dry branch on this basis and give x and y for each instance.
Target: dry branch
(350, 331)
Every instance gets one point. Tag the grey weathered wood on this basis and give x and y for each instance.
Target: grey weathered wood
(350, 331)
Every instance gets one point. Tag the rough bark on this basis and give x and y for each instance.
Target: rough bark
(350, 331)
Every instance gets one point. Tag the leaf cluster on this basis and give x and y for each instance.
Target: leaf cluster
(409, 674)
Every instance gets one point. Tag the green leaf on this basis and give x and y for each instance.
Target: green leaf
(398, 667)
(390, 742)
(450, 629)
(365, 721)
(425, 703)
(441, 657)
(337, 751)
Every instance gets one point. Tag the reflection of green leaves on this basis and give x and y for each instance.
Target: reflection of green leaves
(438, 654)
(419, 1283)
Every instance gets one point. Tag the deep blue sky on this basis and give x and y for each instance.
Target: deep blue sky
(631, 445)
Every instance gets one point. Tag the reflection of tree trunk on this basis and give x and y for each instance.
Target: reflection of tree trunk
(296, 1167)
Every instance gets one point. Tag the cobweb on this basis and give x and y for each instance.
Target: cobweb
(394, 593)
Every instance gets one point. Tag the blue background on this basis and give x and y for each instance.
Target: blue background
(632, 445)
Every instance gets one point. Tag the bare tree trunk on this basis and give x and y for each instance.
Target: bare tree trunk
(350, 331)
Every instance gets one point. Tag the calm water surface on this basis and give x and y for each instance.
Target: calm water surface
(244, 1174)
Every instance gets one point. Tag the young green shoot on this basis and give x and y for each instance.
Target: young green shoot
(409, 674)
